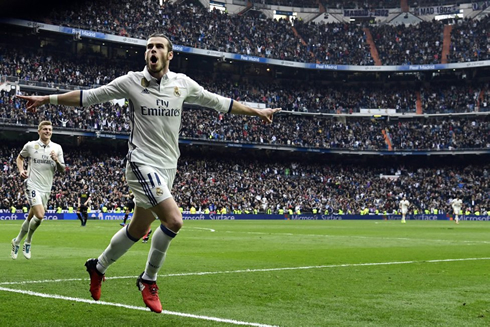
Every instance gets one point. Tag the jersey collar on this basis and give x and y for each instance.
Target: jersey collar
(42, 144)
(150, 78)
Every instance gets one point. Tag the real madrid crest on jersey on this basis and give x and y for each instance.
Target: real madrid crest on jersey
(36, 147)
(159, 191)
(176, 91)
(144, 82)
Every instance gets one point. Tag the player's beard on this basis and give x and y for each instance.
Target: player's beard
(161, 65)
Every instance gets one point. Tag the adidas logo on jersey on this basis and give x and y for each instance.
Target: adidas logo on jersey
(145, 91)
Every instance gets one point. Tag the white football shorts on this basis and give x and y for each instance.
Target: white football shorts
(37, 198)
(149, 185)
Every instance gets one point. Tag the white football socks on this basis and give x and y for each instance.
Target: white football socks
(159, 245)
(33, 225)
(23, 231)
(120, 244)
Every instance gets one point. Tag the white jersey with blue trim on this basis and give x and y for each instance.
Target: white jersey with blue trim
(155, 112)
(40, 167)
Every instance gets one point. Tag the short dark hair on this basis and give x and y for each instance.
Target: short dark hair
(170, 45)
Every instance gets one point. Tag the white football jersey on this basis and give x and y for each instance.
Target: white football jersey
(457, 203)
(40, 166)
(155, 112)
(404, 204)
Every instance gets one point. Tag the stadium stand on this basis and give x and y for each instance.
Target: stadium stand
(247, 180)
(335, 112)
(189, 23)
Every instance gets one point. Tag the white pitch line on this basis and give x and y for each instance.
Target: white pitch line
(364, 237)
(173, 313)
(201, 228)
(203, 273)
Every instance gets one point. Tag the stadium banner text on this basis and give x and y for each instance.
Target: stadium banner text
(438, 10)
(66, 216)
(481, 5)
(120, 216)
(366, 12)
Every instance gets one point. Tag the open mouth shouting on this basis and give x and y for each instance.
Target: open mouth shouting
(153, 61)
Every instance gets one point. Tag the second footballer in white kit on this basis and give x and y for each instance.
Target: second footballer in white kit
(156, 97)
(456, 203)
(404, 204)
(44, 158)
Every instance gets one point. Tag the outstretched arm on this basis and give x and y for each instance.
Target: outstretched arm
(265, 114)
(71, 98)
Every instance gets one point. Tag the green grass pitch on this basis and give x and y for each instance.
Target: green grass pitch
(257, 273)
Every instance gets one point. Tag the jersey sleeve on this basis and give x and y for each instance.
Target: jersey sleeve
(117, 89)
(24, 153)
(61, 158)
(198, 95)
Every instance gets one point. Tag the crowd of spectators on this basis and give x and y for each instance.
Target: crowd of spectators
(251, 182)
(485, 100)
(316, 131)
(437, 99)
(302, 96)
(297, 130)
(335, 43)
(354, 134)
(470, 41)
(101, 117)
(190, 24)
(219, 181)
(56, 69)
(408, 45)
